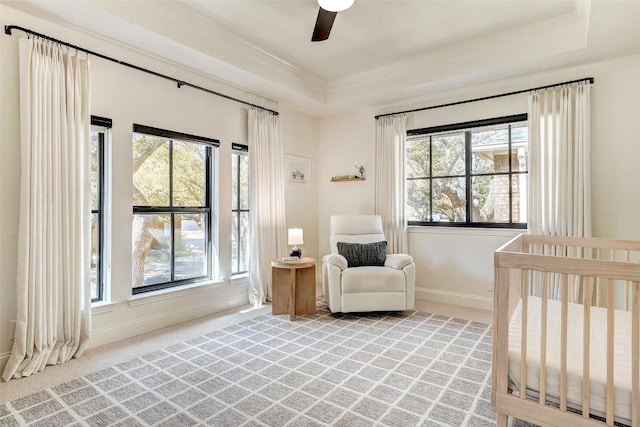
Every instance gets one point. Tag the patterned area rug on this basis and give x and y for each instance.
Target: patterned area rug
(384, 369)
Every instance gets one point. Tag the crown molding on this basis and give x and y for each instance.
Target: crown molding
(469, 62)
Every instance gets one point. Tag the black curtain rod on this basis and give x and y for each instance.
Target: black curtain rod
(589, 79)
(179, 83)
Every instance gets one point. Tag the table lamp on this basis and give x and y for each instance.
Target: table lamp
(295, 238)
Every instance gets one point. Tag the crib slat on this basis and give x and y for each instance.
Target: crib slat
(610, 342)
(586, 352)
(543, 339)
(626, 285)
(563, 339)
(523, 341)
(635, 355)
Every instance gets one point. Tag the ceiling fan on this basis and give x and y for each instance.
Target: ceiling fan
(326, 15)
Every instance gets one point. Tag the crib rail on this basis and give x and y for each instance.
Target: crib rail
(586, 271)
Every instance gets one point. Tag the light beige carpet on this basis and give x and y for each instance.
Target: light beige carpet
(395, 369)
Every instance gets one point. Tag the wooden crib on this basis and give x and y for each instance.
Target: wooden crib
(566, 331)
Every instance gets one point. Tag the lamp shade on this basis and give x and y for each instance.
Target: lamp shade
(295, 236)
(335, 5)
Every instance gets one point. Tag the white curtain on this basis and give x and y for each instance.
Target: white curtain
(389, 180)
(266, 201)
(559, 161)
(53, 283)
(559, 164)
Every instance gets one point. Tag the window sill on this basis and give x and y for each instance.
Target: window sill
(171, 293)
(240, 278)
(466, 231)
(102, 307)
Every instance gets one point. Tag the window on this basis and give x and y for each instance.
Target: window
(469, 174)
(240, 209)
(171, 208)
(99, 128)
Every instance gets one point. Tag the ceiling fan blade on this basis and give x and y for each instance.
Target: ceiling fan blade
(324, 22)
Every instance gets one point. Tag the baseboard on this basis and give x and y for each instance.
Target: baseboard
(455, 298)
(163, 319)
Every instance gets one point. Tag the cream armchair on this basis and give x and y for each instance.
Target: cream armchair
(389, 285)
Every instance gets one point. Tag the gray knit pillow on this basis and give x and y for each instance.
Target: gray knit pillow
(363, 254)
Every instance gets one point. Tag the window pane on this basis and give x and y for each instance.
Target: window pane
(151, 249)
(95, 254)
(150, 170)
(95, 170)
(417, 162)
(520, 158)
(448, 154)
(519, 134)
(189, 174)
(490, 199)
(418, 200)
(190, 240)
(234, 181)
(244, 182)
(490, 150)
(519, 194)
(243, 256)
(235, 267)
(520, 147)
(449, 200)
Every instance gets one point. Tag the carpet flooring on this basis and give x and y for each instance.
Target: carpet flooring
(383, 369)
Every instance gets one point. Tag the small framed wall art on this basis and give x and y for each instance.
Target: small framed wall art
(297, 172)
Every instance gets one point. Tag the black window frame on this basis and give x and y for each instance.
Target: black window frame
(106, 123)
(238, 150)
(207, 208)
(468, 128)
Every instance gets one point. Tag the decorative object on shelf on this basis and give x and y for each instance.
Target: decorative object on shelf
(351, 177)
(342, 178)
(295, 239)
(298, 172)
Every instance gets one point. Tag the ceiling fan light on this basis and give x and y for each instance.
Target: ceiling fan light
(335, 5)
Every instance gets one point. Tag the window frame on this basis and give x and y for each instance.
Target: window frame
(172, 210)
(467, 129)
(105, 124)
(238, 150)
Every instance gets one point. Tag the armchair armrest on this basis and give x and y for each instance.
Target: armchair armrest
(398, 261)
(337, 260)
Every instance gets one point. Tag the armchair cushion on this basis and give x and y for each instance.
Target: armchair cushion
(363, 254)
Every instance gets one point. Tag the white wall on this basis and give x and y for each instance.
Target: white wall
(128, 96)
(456, 265)
(345, 141)
(300, 137)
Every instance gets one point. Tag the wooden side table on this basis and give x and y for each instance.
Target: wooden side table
(293, 287)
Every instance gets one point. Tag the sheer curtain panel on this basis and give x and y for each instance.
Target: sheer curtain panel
(559, 169)
(266, 201)
(389, 200)
(53, 284)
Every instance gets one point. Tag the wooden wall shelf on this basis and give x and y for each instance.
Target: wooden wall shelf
(344, 179)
